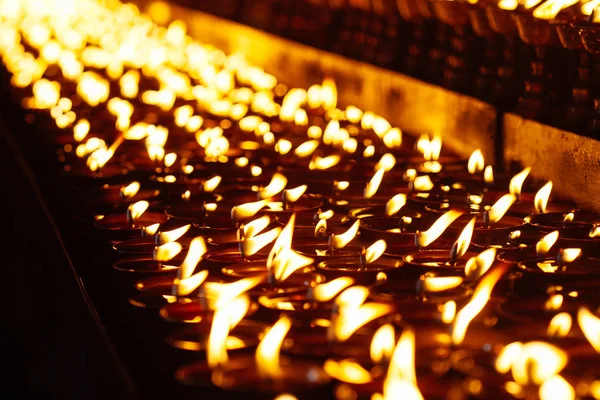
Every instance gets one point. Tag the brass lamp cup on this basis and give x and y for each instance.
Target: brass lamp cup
(453, 13)
(568, 34)
(590, 35)
(501, 21)
(409, 10)
(479, 21)
(534, 31)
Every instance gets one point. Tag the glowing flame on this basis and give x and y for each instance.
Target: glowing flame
(292, 195)
(373, 184)
(434, 284)
(322, 163)
(590, 326)
(137, 209)
(255, 227)
(449, 312)
(307, 148)
(395, 204)
(588, 7)
(560, 325)
(340, 241)
(196, 250)
(321, 228)
(480, 298)
(277, 184)
(516, 183)
(401, 378)
(341, 185)
(556, 387)
(424, 239)
(430, 148)
(375, 251)
(211, 184)
(488, 175)
(172, 235)
(185, 286)
(225, 318)
(81, 129)
(476, 162)
(283, 261)
(422, 183)
(127, 192)
(541, 197)
(566, 256)
(347, 371)
(247, 210)
(554, 302)
(551, 8)
(532, 362)
(383, 344)
(328, 94)
(501, 207)
(150, 230)
(167, 251)
(267, 352)
(387, 162)
(595, 231)
(219, 295)
(463, 242)
(324, 292)
(253, 245)
(544, 245)
(477, 266)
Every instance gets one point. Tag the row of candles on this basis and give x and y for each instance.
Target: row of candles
(299, 248)
(509, 53)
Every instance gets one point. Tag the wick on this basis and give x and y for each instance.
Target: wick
(454, 254)
(331, 246)
(130, 219)
(486, 219)
(363, 257)
(242, 247)
(284, 199)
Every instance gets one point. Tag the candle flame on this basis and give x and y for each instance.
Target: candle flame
(341, 185)
(340, 241)
(532, 362)
(219, 295)
(251, 246)
(195, 253)
(480, 298)
(347, 323)
(545, 244)
(550, 8)
(324, 292)
(395, 204)
(150, 230)
(211, 184)
(375, 251)
(167, 251)
(476, 162)
(434, 284)
(590, 326)
(283, 261)
(424, 239)
(226, 317)
(401, 378)
(81, 130)
(463, 242)
(383, 344)
(501, 207)
(255, 227)
(373, 184)
(267, 352)
(541, 198)
(347, 371)
(172, 235)
(247, 210)
(449, 312)
(588, 7)
(422, 183)
(387, 162)
(430, 148)
(292, 195)
(321, 228)
(488, 175)
(478, 265)
(137, 209)
(556, 387)
(323, 163)
(328, 94)
(516, 183)
(595, 231)
(560, 325)
(554, 302)
(393, 138)
(127, 192)
(306, 149)
(185, 286)
(566, 256)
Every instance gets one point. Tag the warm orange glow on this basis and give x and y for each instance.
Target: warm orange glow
(393, 138)
(267, 352)
(501, 207)
(347, 371)
(478, 301)
(541, 197)
(219, 295)
(340, 241)
(422, 183)
(463, 242)
(449, 312)
(532, 362)
(556, 387)
(293, 195)
(255, 227)
(595, 231)
(566, 256)
(395, 204)
(375, 251)
(186, 286)
(476, 162)
(323, 163)
(554, 302)
(150, 230)
(253, 245)
(328, 94)
(373, 184)
(587, 8)
(307, 148)
(226, 317)
(383, 344)
(590, 326)
(195, 253)
(550, 8)
(544, 245)
(130, 190)
(516, 183)
(81, 130)
(424, 239)
(347, 323)
(387, 162)
(324, 292)
(283, 261)
(433, 284)
(247, 210)
(167, 251)
(137, 209)
(172, 235)
(560, 325)
(488, 175)
(479, 265)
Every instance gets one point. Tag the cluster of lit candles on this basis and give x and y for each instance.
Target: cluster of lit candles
(299, 248)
